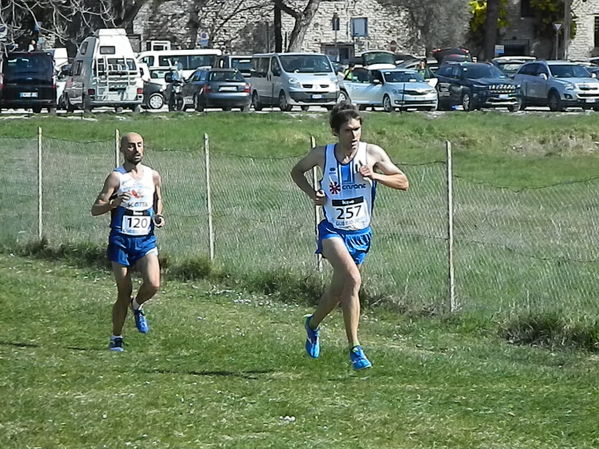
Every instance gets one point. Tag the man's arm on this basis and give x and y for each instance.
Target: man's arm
(314, 158)
(105, 203)
(387, 173)
(158, 206)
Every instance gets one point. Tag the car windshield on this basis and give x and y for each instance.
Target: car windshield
(379, 57)
(225, 75)
(510, 67)
(403, 77)
(28, 67)
(242, 64)
(569, 71)
(482, 71)
(305, 63)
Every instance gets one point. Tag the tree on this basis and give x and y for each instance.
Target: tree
(491, 29)
(482, 33)
(438, 23)
(303, 18)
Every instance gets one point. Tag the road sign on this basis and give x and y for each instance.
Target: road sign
(203, 39)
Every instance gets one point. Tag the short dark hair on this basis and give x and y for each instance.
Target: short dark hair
(342, 113)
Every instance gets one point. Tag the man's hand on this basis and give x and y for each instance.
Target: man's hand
(367, 172)
(158, 220)
(319, 198)
(119, 199)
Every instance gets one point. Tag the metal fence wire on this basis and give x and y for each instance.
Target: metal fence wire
(526, 250)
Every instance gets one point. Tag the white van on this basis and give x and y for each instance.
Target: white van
(189, 60)
(104, 73)
(293, 79)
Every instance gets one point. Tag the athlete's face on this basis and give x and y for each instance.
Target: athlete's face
(133, 149)
(349, 134)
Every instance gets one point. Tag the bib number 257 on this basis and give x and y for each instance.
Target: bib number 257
(348, 212)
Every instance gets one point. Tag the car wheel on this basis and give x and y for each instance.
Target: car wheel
(515, 107)
(52, 110)
(156, 101)
(136, 109)
(343, 96)
(467, 102)
(226, 108)
(283, 104)
(305, 108)
(256, 102)
(198, 105)
(37, 109)
(387, 105)
(118, 109)
(555, 102)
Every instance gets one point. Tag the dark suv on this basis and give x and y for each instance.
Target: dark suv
(27, 81)
(475, 86)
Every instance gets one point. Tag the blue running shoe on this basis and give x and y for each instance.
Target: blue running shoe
(358, 358)
(140, 321)
(116, 344)
(312, 344)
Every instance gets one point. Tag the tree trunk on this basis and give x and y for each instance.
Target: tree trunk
(278, 30)
(491, 29)
(302, 22)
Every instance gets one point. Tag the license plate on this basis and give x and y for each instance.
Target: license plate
(503, 96)
(228, 89)
(316, 97)
(28, 94)
(590, 100)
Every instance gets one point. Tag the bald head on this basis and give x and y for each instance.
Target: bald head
(132, 147)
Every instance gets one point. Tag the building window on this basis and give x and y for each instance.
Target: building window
(359, 27)
(596, 43)
(525, 9)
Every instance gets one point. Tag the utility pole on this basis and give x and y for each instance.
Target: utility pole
(567, 25)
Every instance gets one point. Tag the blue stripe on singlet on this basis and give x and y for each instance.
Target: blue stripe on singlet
(347, 175)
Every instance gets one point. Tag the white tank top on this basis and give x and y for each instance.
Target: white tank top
(134, 216)
(350, 197)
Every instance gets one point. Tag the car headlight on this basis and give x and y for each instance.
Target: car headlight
(570, 86)
(396, 91)
(294, 82)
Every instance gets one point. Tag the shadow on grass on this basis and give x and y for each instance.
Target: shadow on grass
(250, 374)
(19, 344)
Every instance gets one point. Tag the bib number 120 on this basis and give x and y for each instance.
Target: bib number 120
(136, 225)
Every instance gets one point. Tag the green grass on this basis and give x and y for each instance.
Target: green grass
(222, 368)
(525, 231)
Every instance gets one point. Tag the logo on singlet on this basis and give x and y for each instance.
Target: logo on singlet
(334, 187)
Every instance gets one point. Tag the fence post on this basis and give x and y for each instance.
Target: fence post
(209, 198)
(453, 306)
(40, 224)
(117, 145)
(316, 208)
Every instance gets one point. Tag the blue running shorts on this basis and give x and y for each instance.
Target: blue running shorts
(126, 250)
(356, 242)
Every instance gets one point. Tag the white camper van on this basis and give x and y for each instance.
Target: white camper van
(293, 79)
(104, 73)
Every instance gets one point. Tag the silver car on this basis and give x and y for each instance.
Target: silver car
(557, 84)
(390, 88)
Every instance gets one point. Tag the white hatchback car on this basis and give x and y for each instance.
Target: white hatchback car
(392, 89)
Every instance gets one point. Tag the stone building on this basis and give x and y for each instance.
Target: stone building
(519, 37)
(340, 28)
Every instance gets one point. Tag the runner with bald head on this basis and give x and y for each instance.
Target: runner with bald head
(132, 195)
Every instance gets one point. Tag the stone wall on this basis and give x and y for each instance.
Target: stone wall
(583, 44)
(250, 32)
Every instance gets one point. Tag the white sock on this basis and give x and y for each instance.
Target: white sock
(116, 336)
(135, 304)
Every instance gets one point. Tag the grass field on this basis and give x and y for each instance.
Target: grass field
(525, 226)
(225, 369)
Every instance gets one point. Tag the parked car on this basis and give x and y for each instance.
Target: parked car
(216, 88)
(392, 89)
(153, 97)
(241, 63)
(377, 59)
(453, 54)
(557, 84)
(510, 64)
(475, 86)
(27, 81)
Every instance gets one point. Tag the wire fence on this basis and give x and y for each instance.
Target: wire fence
(532, 249)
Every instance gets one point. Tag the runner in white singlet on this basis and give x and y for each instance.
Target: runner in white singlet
(351, 170)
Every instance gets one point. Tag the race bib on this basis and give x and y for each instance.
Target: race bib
(136, 223)
(349, 210)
